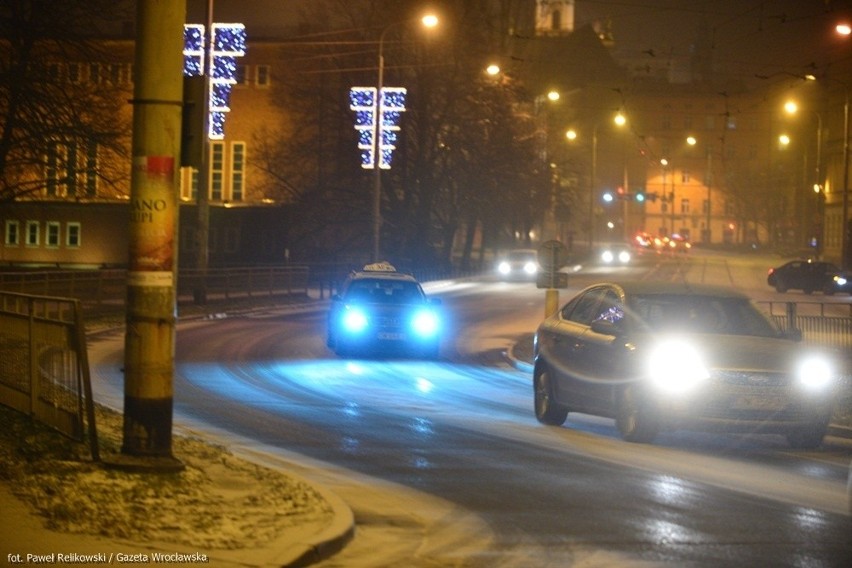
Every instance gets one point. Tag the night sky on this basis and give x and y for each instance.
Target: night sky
(747, 37)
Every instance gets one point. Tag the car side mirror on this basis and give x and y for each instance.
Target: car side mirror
(605, 327)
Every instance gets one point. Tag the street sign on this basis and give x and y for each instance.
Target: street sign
(552, 255)
(551, 279)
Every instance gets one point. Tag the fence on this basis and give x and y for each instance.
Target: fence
(105, 290)
(44, 365)
(819, 322)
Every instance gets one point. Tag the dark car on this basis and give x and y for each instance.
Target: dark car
(380, 309)
(518, 264)
(657, 356)
(808, 276)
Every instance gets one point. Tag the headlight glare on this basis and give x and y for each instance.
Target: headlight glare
(607, 256)
(624, 256)
(676, 366)
(504, 268)
(425, 323)
(354, 320)
(530, 268)
(815, 372)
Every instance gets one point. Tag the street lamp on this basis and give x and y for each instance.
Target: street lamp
(620, 120)
(428, 21)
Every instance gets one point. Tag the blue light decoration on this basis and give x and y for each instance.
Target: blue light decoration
(227, 43)
(362, 100)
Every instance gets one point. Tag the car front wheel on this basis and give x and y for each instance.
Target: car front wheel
(634, 419)
(547, 410)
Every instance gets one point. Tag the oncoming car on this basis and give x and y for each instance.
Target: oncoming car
(379, 309)
(519, 264)
(616, 254)
(657, 356)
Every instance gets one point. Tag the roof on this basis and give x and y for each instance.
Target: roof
(381, 271)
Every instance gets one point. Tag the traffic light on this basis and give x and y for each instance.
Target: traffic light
(640, 195)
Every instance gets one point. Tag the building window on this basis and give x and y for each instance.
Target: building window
(241, 76)
(684, 176)
(73, 235)
(705, 206)
(95, 73)
(263, 78)
(731, 123)
(73, 72)
(33, 230)
(684, 205)
(217, 167)
(13, 233)
(194, 185)
(238, 168)
(51, 238)
(92, 170)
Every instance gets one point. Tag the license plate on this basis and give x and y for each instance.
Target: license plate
(391, 336)
(754, 402)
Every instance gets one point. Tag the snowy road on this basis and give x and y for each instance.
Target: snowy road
(444, 463)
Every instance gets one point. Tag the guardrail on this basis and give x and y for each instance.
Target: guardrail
(44, 365)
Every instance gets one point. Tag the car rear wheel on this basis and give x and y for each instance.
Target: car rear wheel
(807, 438)
(780, 286)
(547, 410)
(634, 419)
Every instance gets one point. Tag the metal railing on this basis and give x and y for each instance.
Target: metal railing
(105, 290)
(820, 322)
(44, 365)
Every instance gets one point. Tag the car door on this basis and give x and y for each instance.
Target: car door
(602, 354)
(572, 387)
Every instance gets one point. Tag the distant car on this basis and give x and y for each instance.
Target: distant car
(381, 310)
(615, 254)
(809, 276)
(678, 243)
(518, 264)
(657, 356)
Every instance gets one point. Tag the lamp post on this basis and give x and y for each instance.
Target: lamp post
(620, 120)
(429, 21)
(844, 244)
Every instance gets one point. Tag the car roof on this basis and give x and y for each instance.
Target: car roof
(381, 271)
(644, 288)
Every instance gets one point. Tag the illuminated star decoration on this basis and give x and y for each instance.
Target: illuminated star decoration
(362, 100)
(228, 43)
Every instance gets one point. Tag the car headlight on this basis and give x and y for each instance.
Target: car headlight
(607, 256)
(354, 320)
(676, 366)
(624, 256)
(815, 372)
(530, 268)
(504, 268)
(840, 280)
(425, 323)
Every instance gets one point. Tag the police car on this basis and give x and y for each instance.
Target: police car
(379, 309)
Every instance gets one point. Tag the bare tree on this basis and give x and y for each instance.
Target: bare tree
(61, 91)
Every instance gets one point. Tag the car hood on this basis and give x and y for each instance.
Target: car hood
(743, 352)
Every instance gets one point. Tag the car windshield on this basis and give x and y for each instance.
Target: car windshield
(702, 314)
(520, 256)
(384, 292)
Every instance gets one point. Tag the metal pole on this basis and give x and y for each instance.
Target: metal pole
(709, 179)
(592, 188)
(153, 227)
(202, 228)
(377, 150)
(844, 250)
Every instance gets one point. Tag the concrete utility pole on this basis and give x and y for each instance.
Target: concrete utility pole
(151, 286)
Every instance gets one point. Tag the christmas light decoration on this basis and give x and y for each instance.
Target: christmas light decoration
(362, 100)
(227, 43)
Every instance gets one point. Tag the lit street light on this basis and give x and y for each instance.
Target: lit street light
(428, 21)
